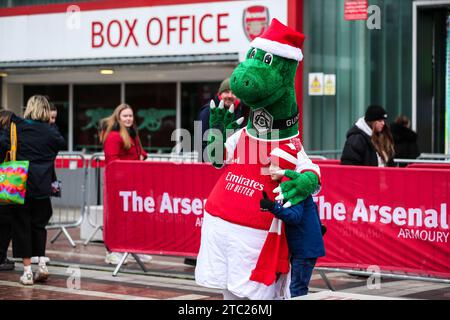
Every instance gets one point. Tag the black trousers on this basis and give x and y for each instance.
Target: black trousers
(28, 227)
(5, 230)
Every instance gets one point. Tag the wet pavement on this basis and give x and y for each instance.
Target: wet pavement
(81, 273)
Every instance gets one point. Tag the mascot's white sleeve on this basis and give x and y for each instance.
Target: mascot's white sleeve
(231, 144)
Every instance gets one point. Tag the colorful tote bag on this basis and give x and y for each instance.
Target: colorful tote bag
(13, 175)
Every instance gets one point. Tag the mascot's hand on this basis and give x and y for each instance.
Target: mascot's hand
(298, 188)
(222, 123)
(223, 119)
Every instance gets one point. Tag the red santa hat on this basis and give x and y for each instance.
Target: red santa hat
(285, 156)
(280, 40)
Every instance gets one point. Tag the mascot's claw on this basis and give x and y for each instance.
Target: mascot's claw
(221, 104)
(277, 190)
(212, 105)
(287, 204)
(240, 120)
(231, 109)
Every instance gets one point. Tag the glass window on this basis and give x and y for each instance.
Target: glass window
(92, 103)
(154, 105)
(372, 66)
(59, 96)
(194, 95)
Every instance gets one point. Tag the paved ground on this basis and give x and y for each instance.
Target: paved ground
(81, 274)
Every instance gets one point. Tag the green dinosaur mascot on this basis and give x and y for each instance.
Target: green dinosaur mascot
(234, 229)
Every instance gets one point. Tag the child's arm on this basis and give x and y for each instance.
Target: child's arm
(292, 215)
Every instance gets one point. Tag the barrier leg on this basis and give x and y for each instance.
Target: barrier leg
(122, 260)
(325, 278)
(56, 236)
(140, 263)
(66, 233)
(92, 235)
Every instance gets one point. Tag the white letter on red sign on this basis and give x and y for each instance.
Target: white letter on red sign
(125, 195)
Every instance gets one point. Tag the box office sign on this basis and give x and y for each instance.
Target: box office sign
(187, 29)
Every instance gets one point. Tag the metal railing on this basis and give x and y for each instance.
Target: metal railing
(188, 157)
(435, 156)
(69, 209)
(327, 154)
(94, 188)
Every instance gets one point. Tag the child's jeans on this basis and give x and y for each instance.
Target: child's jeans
(301, 273)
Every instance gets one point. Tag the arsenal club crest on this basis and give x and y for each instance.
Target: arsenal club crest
(262, 121)
(256, 21)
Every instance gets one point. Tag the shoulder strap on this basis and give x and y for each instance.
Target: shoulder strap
(11, 154)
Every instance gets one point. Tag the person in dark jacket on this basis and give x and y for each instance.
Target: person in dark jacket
(369, 142)
(5, 211)
(226, 95)
(39, 143)
(302, 225)
(405, 140)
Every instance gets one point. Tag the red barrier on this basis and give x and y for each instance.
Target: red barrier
(393, 218)
(156, 207)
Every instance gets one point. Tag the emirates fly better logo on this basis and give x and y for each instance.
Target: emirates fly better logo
(256, 21)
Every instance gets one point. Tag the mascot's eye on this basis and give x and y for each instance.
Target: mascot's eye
(252, 54)
(268, 58)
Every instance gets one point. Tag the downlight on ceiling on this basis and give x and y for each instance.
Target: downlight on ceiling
(107, 71)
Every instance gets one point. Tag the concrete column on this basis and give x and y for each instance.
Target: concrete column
(12, 97)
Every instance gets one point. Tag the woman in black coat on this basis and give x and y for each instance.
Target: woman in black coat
(5, 215)
(369, 142)
(39, 143)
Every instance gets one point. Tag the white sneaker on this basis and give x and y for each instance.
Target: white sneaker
(42, 274)
(114, 258)
(27, 279)
(35, 260)
(145, 257)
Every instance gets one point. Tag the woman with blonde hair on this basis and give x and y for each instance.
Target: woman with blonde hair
(121, 141)
(39, 143)
(369, 142)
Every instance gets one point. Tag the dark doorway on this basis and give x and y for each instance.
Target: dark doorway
(431, 78)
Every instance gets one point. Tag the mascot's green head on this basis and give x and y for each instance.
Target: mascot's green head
(265, 81)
